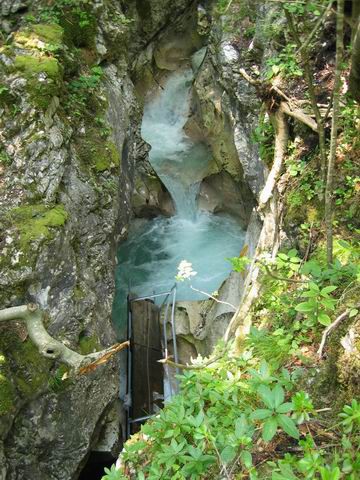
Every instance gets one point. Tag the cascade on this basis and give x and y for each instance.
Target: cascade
(148, 259)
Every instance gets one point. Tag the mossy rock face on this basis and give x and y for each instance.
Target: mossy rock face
(34, 221)
(88, 344)
(28, 227)
(6, 97)
(7, 390)
(41, 36)
(24, 373)
(349, 363)
(33, 65)
(50, 33)
(98, 153)
(41, 90)
(36, 61)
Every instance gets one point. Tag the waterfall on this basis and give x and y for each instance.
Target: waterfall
(179, 162)
(149, 258)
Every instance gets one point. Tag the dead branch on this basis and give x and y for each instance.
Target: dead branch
(51, 348)
(167, 361)
(328, 329)
(299, 115)
(276, 277)
(213, 298)
(249, 79)
(289, 107)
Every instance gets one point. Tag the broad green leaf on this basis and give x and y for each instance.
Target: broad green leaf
(199, 419)
(325, 291)
(288, 425)
(314, 287)
(241, 426)
(283, 256)
(269, 429)
(278, 395)
(246, 458)
(266, 395)
(285, 407)
(228, 454)
(278, 476)
(328, 303)
(287, 471)
(353, 312)
(261, 414)
(309, 294)
(292, 253)
(304, 307)
(324, 319)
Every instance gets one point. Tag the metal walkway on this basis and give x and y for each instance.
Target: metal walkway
(148, 337)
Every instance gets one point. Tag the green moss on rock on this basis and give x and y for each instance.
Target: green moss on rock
(59, 381)
(33, 65)
(97, 153)
(47, 37)
(34, 222)
(7, 391)
(24, 373)
(28, 227)
(107, 158)
(50, 33)
(88, 344)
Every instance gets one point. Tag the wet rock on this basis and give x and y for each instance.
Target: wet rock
(220, 193)
(151, 199)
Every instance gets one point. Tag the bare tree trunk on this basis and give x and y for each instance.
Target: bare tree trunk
(241, 321)
(48, 346)
(281, 137)
(334, 131)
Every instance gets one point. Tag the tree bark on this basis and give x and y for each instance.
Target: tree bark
(51, 348)
(354, 80)
(241, 321)
(281, 138)
(334, 131)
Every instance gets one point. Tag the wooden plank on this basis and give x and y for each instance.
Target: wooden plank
(147, 373)
(146, 330)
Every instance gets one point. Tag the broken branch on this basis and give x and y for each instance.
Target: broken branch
(328, 329)
(51, 348)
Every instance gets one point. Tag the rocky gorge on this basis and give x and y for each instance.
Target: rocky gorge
(74, 174)
(138, 134)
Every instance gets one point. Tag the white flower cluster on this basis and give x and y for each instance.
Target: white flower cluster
(185, 271)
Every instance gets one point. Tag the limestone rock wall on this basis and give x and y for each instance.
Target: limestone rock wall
(69, 147)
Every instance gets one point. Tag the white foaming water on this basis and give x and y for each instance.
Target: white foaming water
(148, 260)
(180, 163)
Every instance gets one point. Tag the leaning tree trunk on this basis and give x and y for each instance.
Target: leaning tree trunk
(334, 131)
(240, 324)
(49, 347)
